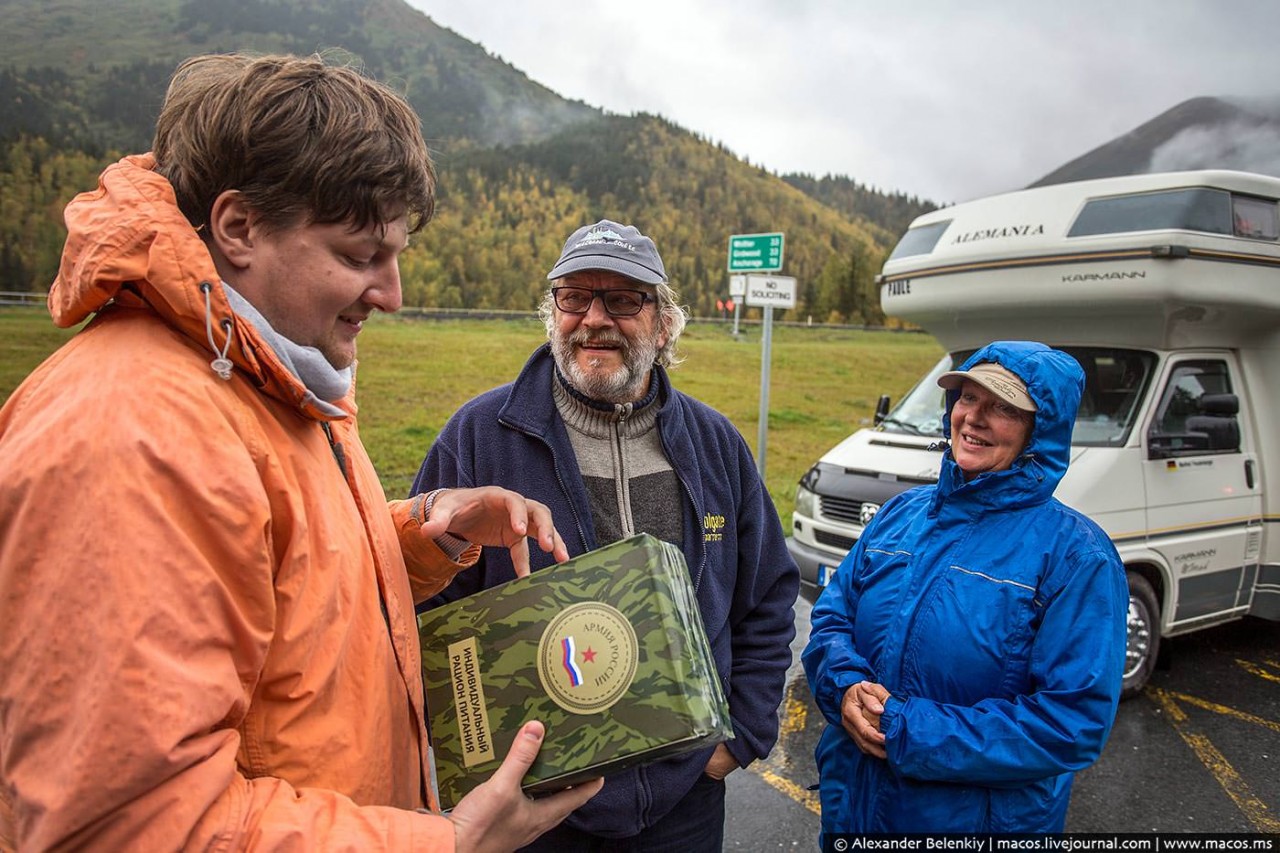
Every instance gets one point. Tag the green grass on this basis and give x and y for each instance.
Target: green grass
(415, 373)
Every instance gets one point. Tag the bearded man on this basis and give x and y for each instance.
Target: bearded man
(593, 428)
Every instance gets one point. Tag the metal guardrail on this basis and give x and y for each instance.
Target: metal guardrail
(464, 313)
(23, 298)
(497, 314)
(39, 300)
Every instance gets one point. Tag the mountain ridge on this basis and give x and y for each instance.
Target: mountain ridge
(520, 166)
(1198, 133)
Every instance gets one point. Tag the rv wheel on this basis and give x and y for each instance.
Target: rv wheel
(1142, 644)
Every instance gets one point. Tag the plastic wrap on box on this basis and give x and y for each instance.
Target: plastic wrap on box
(607, 649)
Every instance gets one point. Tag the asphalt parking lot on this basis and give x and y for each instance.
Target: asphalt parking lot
(1198, 751)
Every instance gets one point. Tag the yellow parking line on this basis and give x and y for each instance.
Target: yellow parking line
(1216, 763)
(1228, 712)
(1253, 669)
(795, 713)
(808, 799)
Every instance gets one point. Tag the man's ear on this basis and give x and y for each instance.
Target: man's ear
(231, 229)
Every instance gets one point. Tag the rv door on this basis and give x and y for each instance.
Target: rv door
(1204, 508)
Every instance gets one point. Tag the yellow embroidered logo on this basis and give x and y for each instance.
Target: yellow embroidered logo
(712, 527)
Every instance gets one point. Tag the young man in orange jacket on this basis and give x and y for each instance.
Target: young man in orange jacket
(208, 635)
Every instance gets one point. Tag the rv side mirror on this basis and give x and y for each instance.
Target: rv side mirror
(882, 408)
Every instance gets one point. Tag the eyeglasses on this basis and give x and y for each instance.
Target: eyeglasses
(617, 303)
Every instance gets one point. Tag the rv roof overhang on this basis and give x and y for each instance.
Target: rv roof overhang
(1004, 268)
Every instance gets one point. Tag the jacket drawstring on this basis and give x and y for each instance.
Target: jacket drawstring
(1032, 462)
(221, 365)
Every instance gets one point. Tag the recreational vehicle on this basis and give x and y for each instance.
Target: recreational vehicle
(1166, 289)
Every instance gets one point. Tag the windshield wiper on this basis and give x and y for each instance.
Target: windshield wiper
(910, 427)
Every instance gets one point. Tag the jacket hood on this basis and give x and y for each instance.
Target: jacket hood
(1055, 382)
(128, 243)
(130, 231)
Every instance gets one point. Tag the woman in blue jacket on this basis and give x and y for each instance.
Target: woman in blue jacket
(968, 653)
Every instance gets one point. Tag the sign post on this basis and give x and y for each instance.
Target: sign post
(737, 290)
(768, 292)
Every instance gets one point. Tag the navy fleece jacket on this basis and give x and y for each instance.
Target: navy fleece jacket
(746, 582)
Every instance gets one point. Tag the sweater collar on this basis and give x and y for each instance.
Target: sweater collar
(598, 418)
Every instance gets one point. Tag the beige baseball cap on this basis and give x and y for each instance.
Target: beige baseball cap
(996, 379)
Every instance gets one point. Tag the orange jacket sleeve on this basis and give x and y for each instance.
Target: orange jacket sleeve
(430, 569)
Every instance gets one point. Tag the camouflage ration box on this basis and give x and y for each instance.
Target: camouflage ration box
(607, 650)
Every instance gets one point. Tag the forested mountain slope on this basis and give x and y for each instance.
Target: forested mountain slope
(520, 166)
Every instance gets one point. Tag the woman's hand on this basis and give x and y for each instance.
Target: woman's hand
(860, 712)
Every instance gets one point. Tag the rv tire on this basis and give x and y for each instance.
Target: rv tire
(1142, 636)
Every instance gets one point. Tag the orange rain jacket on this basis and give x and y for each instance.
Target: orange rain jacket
(207, 636)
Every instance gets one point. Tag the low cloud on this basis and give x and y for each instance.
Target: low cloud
(1249, 147)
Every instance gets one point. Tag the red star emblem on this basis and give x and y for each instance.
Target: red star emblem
(589, 656)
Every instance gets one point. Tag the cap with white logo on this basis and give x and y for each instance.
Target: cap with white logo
(996, 379)
(610, 246)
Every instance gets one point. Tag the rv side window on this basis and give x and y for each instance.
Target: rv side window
(1197, 413)
(1188, 210)
(919, 241)
(1255, 218)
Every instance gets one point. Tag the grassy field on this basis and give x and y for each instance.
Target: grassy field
(415, 373)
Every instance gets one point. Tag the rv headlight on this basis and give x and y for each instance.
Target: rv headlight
(806, 503)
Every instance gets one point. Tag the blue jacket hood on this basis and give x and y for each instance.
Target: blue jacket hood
(1055, 382)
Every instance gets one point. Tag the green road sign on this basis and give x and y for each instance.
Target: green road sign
(755, 253)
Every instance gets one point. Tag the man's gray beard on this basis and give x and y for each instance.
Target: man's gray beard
(625, 385)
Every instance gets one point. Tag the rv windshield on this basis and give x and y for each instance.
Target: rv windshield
(920, 412)
(1116, 380)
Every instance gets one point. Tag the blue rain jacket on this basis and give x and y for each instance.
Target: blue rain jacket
(995, 616)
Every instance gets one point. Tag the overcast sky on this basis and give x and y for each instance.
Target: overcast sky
(944, 100)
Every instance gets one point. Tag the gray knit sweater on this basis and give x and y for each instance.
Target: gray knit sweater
(632, 486)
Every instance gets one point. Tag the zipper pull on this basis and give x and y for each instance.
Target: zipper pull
(336, 446)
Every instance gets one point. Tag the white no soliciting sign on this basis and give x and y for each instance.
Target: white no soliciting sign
(778, 291)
